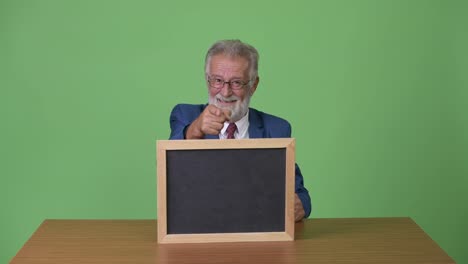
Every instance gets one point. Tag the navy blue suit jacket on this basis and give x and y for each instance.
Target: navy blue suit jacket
(261, 125)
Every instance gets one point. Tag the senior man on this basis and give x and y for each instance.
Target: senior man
(231, 73)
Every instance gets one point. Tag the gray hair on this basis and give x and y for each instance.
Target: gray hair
(235, 48)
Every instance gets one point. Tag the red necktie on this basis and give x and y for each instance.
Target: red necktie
(230, 130)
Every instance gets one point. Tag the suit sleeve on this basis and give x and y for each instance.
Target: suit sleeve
(301, 191)
(178, 123)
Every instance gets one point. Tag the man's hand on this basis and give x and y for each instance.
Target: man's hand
(299, 212)
(210, 121)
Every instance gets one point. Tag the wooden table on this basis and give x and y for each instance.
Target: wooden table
(345, 240)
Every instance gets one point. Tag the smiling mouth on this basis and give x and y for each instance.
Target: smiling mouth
(225, 102)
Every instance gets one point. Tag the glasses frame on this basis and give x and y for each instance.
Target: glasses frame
(209, 79)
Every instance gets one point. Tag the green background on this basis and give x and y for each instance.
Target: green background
(376, 92)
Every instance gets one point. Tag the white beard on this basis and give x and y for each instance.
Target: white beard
(238, 110)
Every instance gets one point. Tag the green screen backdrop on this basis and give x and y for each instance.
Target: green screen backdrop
(376, 92)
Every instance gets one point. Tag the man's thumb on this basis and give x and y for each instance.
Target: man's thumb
(227, 113)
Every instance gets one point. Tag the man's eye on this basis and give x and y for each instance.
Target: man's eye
(218, 81)
(236, 83)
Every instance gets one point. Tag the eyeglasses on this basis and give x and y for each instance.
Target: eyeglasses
(218, 83)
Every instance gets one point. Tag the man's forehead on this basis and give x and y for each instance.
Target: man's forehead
(230, 59)
(225, 62)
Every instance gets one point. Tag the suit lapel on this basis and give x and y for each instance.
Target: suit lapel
(256, 129)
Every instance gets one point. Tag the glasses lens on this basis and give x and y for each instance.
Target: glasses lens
(216, 82)
(236, 84)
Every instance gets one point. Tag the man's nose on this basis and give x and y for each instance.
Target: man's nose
(226, 90)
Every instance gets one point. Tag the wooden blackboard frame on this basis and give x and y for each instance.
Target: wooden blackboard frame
(163, 146)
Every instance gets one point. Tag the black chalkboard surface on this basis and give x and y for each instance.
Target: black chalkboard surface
(225, 190)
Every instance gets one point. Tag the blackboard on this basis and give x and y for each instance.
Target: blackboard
(225, 190)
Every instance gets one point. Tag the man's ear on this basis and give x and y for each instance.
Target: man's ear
(254, 86)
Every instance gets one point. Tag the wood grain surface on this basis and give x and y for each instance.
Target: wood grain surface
(340, 240)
